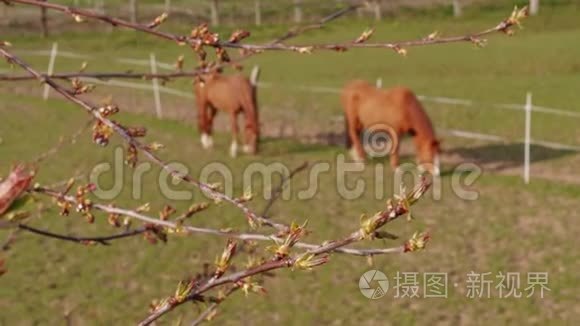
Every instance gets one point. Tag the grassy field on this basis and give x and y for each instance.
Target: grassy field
(511, 227)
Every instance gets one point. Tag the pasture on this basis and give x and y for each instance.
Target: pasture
(511, 227)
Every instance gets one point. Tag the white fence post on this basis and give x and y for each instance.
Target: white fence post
(100, 7)
(155, 86)
(50, 70)
(457, 12)
(377, 10)
(534, 7)
(297, 11)
(255, 74)
(528, 136)
(257, 12)
(133, 11)
(379, 82)
(214, 12)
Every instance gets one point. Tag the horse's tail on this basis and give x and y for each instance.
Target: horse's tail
(255, 75)
(250, 107)
(348, 102)
(254, 108)
(347, 140)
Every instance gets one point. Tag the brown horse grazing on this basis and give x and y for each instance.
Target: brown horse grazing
(396, 111)
(233, 94)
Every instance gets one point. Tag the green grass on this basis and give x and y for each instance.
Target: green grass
(512, 227)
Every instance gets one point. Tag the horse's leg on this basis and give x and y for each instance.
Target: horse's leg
(234, 145)
(210, 115)
(211, 112)
(249, 136)
(356, 152)
(432, 163)
(204, 123)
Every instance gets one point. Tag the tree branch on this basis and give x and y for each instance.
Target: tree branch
(212, 307)
(392, 212)
(199, 230)
(103, 240)
(278, 190)
(131, 140)
(196, 42)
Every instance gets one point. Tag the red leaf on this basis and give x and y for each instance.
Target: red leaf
(14, 185)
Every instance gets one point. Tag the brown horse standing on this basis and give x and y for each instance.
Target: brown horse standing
(233, 94)
(396, 111)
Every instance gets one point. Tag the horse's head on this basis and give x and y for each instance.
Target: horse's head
(252, 139)
(428, 156)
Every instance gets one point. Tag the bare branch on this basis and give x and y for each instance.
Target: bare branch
(307, 260)
(131, 140)
(278, 190)
(197, 41)
(62, 141)
(103, 240)
(293, 32)
(199, 230)
(212, 307)
(107, 75)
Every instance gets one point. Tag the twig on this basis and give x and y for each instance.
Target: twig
(105, 75)
(196, 42)
(10, 239)
(167, 76)
(71, 139)
(293, 32)
(199, 230)
(278, 190)
(103, 240)
(204, 315)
